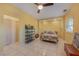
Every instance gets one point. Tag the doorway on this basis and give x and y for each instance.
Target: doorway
(9, 30)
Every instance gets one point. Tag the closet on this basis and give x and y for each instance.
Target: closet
(9, 26)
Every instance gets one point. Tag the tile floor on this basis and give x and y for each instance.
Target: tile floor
(35, 48)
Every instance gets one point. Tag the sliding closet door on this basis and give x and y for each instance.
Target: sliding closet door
(9, 26)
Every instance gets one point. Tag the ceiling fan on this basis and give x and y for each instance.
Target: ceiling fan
(40, 6)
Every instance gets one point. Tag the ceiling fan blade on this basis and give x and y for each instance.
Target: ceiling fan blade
(48, 4)
(38, 11)
(36, 3)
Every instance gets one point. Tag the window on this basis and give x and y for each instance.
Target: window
(69, 24)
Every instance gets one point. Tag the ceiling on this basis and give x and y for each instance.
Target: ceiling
(55, 10)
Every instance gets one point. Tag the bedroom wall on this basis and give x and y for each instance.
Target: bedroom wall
(55, 24)
(74, 12)
(24, 18)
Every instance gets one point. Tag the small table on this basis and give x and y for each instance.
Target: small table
(70, 50)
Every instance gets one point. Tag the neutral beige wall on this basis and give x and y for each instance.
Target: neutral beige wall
(53, 24)
(74, 12)
(24, 18)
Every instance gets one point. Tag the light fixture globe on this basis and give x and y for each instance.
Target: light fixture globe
(40, 7)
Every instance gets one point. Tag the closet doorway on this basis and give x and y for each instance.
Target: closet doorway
(9, 30)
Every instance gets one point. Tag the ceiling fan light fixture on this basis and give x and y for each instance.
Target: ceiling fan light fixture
(40, 7)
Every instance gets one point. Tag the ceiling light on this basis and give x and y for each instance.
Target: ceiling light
(40, 7)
